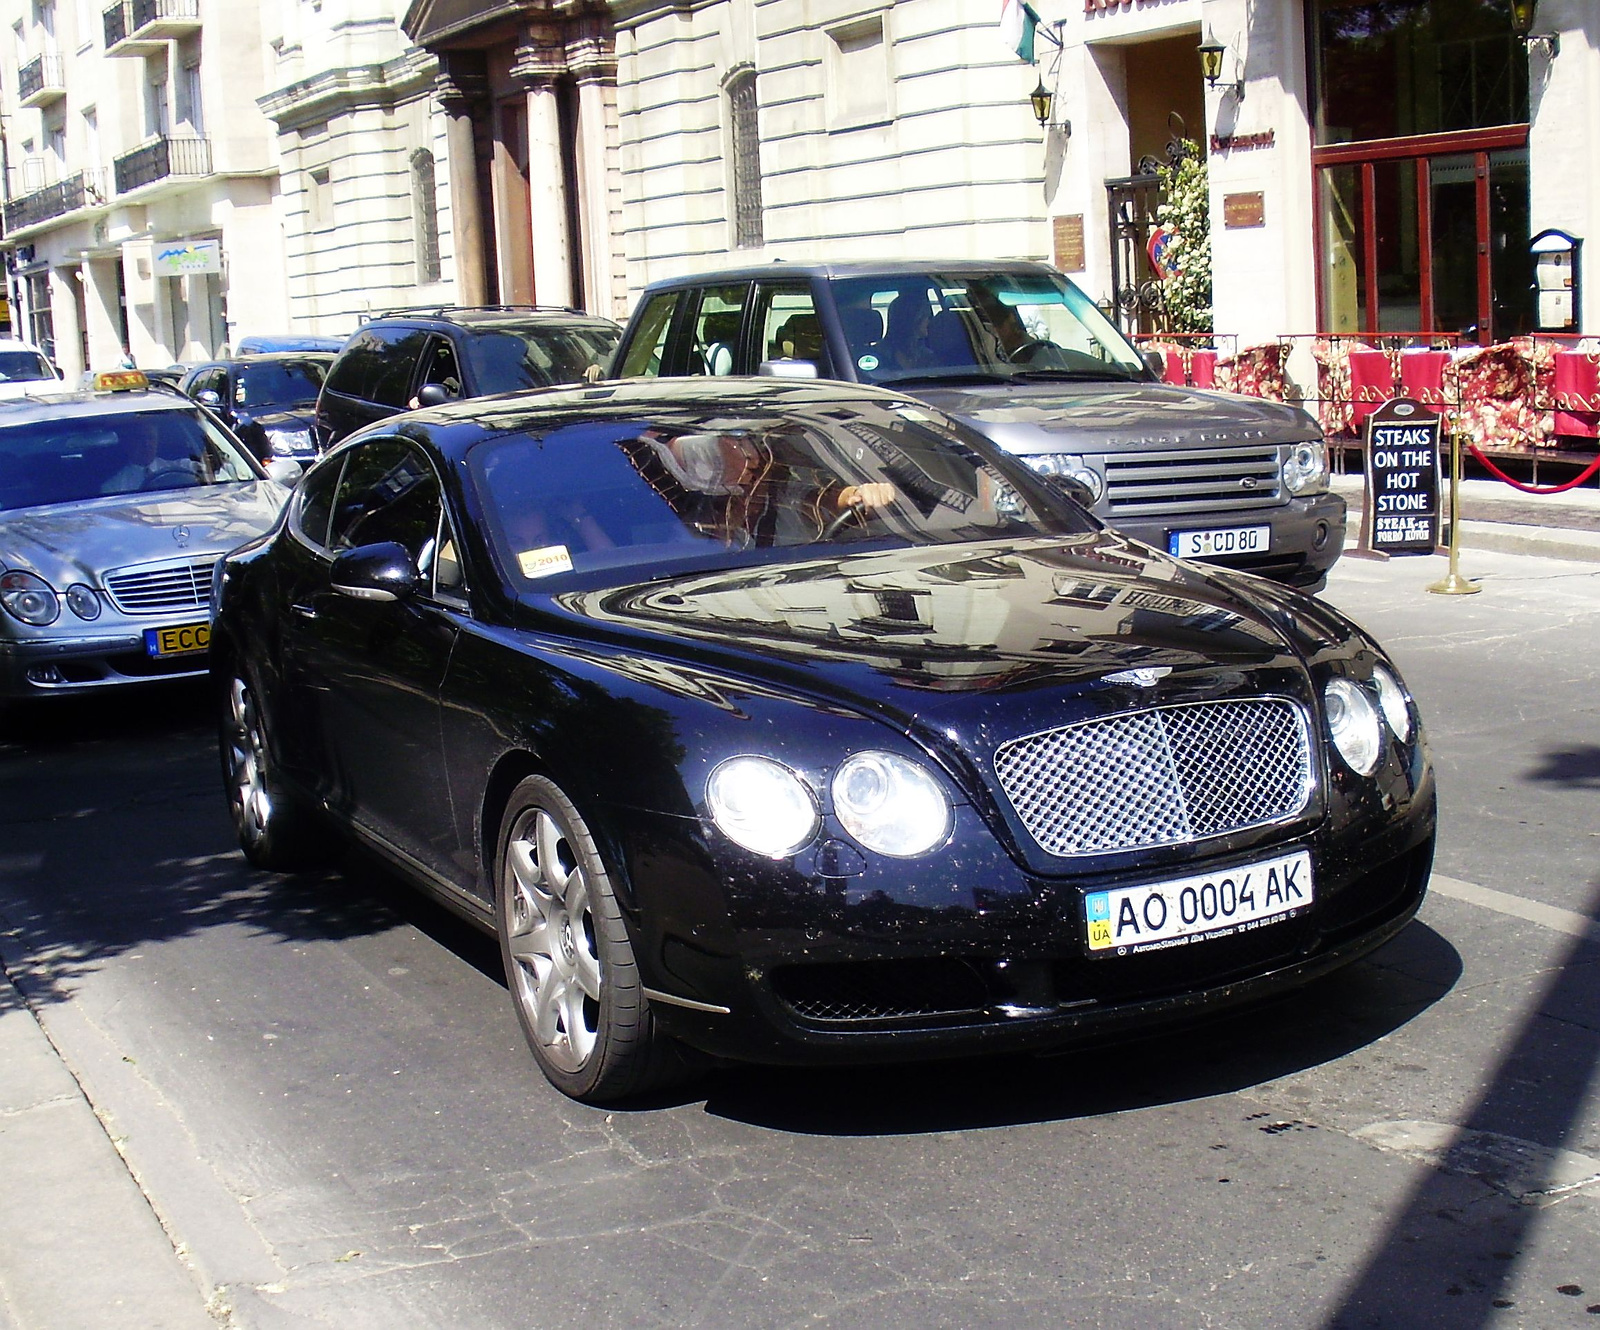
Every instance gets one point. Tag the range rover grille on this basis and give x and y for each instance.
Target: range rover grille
(1153, 484)
(1165, 776)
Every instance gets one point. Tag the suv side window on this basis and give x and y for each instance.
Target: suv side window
(648, 349)
(392, 387)
(439, 367)
(715, 330)
(388, 492)
(787, 327)
(377, 364)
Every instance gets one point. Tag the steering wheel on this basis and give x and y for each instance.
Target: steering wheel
(1029, 349)
(169, 475)
(853, 511)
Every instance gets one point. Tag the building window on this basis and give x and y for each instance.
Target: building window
(319, 198)
(425, 211)
(156, 124)
(189, 112)
(857, 75)
(40, 320)
(746, 157)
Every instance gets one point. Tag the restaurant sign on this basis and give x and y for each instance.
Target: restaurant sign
(1402, 505)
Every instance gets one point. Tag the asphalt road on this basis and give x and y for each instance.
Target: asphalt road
(319, 1082)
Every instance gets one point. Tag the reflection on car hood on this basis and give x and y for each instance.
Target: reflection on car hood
(279, 417)
(1107, 417)
(72, 542)
(940, 632)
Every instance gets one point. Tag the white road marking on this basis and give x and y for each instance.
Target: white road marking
(1552, 917)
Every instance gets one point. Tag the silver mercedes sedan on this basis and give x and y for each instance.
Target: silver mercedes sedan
(114, 506)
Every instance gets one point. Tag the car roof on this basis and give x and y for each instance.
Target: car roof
(83, 404)
(458, 426)
(261, 358)
(491, 316)
(785, 268)
(14, 344)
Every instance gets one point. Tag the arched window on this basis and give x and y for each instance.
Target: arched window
(425, 206)
(746, 135)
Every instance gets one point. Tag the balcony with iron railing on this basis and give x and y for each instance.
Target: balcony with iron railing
(39, 82)
(138, 27)
(78, 191)
(161, 159)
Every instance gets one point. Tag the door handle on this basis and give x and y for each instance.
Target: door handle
(304, 611)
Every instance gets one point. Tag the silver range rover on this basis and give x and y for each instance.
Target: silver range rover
(114, 508)
(1020, 354)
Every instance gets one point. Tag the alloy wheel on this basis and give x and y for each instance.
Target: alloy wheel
(555, 970)
(247, 764)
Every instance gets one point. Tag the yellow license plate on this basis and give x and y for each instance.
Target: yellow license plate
(184, 639)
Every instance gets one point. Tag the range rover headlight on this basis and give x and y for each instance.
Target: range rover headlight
(1353, 725)
(1071, 466)
(1392, 701)
(82, 601)
(1305, 469)
(761, 805)
(891, 804)
(28, 597)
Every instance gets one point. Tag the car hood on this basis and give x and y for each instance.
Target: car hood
(1108, 417)
(966, 644)
(279, 417)
(74, 542)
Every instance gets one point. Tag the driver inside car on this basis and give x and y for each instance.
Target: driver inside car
(150, 461)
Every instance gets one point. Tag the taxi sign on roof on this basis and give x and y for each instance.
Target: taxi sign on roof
(119, 380)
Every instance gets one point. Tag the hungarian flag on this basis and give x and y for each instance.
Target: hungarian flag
(1017, 24)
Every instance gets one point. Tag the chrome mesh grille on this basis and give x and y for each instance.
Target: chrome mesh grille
(161, 588)
(1159, 777)
(1192, 480)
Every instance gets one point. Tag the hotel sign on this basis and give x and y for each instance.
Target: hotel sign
(180, 258)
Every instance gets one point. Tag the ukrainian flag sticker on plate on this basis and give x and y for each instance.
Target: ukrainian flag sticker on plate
(1099, 919)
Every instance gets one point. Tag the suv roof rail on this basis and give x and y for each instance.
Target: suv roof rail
(446, 311)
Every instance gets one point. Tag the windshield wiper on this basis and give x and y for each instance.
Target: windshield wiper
(949, 376)
(1107, 375)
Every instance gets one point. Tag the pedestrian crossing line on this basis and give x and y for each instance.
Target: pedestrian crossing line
(1552, 917)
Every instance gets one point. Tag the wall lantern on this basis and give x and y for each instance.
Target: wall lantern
(1041, 99)
(1211, 53)
(1524, 13)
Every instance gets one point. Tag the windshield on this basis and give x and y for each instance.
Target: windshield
(282, 383)
(609, 502)
(506, 360)
(64, 461)
(24, 367)
(995, 325)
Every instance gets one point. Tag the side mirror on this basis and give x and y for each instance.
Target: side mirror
(788, 369)
(1155, 362)
(384, 571)
(208, 398)
(284, 470)
(434, 394)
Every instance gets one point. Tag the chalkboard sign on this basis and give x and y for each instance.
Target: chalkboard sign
(1402, 508)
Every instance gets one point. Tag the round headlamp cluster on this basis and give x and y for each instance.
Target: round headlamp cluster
(28, 597)
(1071, 467)
(888, 803)
(1356, 720)
(1305, 468)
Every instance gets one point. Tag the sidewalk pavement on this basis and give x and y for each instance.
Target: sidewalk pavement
(1494, 516)
(79, 1243)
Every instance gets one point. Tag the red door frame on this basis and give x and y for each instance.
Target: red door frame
(1418, 147)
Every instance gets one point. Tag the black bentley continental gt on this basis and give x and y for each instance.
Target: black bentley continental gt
(791, 721)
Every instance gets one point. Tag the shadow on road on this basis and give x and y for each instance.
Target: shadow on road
(1578, 767)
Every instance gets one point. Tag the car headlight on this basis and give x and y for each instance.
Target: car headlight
(1392, 701)
(83, 601)
(1070, 465)
(28, 597)
(288, 442)
(761, 805)
(1305, 468)
(1354, 725)
(890, 804)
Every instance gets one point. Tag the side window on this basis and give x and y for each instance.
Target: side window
(440, 367)
(715, 346)
(787, 327)
(313, 500)
(442, 562)
(398, 365)
(357, 366)
(648, 348)
(389, 492)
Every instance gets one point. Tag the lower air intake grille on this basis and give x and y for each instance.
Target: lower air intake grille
(852, 991)
(1165, 776)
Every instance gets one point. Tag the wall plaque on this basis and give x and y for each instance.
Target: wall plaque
(1241, 210)
(1069, 242)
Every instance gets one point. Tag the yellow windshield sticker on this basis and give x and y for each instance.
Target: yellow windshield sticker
(545, 561)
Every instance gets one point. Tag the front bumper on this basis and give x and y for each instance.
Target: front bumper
(1307, 536)
(65, 665)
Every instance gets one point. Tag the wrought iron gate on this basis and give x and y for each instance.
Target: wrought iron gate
(1136, 291)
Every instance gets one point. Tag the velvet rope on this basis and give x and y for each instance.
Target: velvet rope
(1495, 471)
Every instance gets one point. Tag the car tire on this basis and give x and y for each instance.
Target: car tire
(569, 965)
(277, 829)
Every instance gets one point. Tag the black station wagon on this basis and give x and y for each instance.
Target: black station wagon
(793, 721)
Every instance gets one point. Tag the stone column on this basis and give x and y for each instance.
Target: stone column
(594, 64)
(537, 65)
(457, 90)
(64, 319)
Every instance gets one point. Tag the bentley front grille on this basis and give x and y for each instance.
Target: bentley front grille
(161, 588)
(1192, 480)
(1165, 776)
